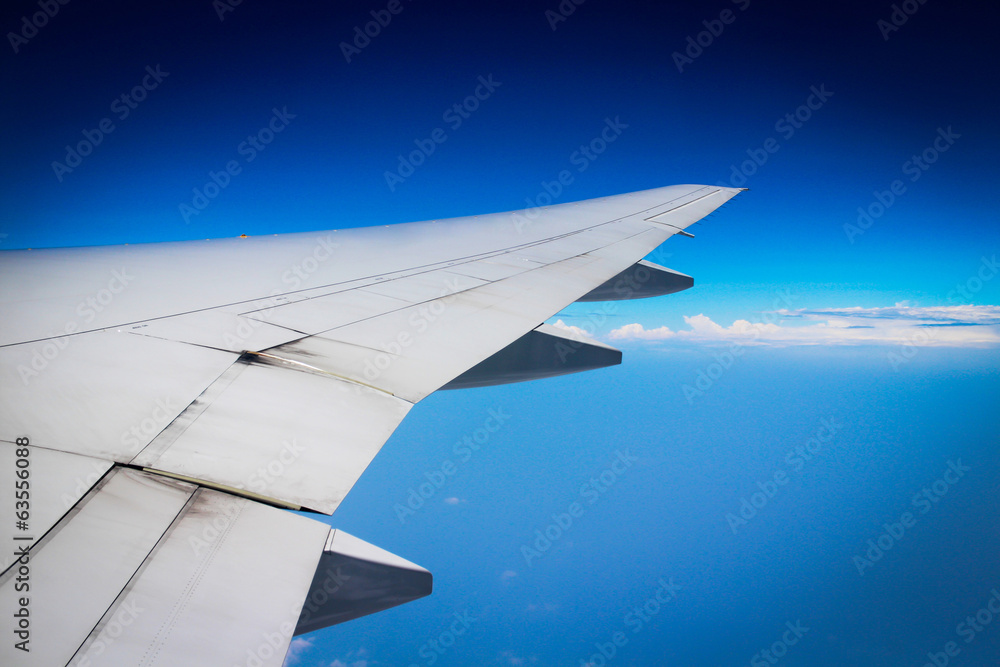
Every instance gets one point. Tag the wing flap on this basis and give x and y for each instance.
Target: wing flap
(223, 587)
(105, 394)
(77, 571)
(149, 570)
(295, 436)
(55, 482)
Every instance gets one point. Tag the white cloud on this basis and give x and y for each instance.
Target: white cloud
(512, 659)
(356, 663)
(362, 661)
(702, 329)
(984, 315)
(943, 326)
(295, 651)
(577, 332)
(453, 500)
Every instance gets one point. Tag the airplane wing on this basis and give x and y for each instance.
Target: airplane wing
(163, 402)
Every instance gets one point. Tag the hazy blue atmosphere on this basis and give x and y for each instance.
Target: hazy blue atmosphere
(797, 456)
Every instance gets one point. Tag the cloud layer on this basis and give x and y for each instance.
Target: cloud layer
(942, 326)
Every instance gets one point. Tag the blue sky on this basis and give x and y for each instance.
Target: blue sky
(888, 326)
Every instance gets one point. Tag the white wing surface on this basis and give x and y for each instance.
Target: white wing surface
(174, 395)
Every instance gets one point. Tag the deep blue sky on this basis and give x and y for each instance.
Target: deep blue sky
(665, 517)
